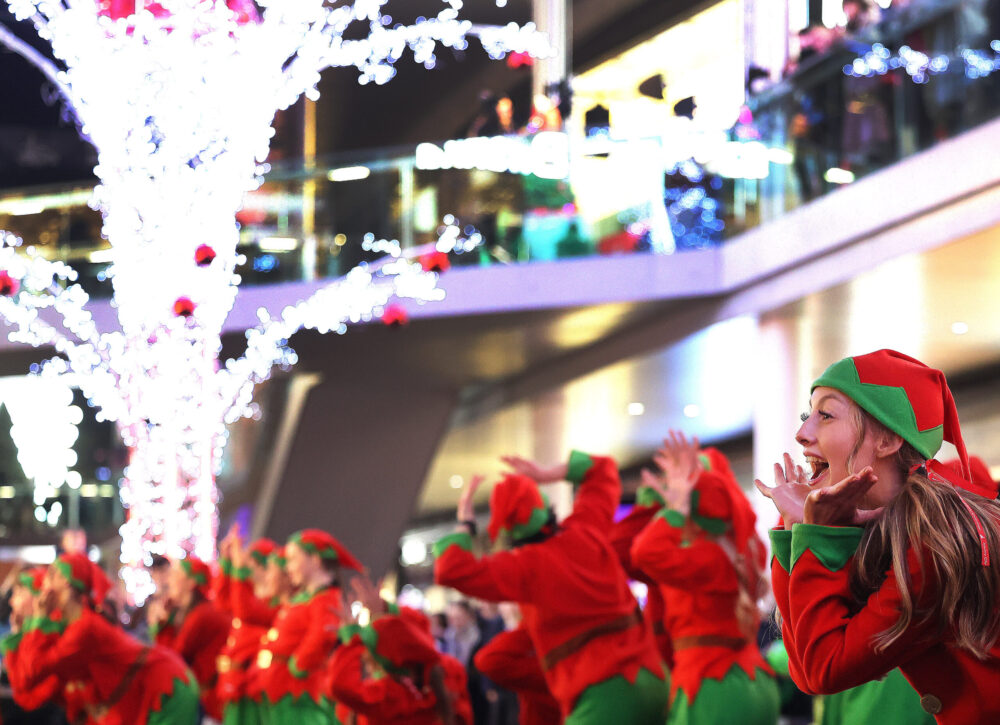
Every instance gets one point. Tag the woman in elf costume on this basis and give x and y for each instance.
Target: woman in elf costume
(390, 672)
(510, 661)
(242, 576)
(198, 628)
(886, 558)
(595, 648)
(704, 554)
(304, 632)
(130, 682)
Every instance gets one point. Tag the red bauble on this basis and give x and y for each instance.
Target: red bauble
(395, 316)
(184, 307)
(204, 255)
(8, 285)
(435, 262)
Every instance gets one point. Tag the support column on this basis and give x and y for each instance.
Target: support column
(554, 18)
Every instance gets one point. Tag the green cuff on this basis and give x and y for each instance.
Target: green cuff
(10, 643)
(579, 464)
(347, 631)
(648, 496)
(781, 547)
(673, 517)
(460, 539)
(242, 574)
(44, 625)
(392, 608)
(832, 545)
(226, 566)
(295, 671)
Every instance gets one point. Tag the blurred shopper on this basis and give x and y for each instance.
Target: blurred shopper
(194, 627)
(703, 552)
(885, 557)
(124, 681)
(867, 132)
(304, 632)
(596, 650)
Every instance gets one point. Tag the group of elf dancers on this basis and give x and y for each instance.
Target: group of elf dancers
(885, 571)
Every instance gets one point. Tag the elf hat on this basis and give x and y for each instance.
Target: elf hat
(32, 579)
(84, 576)
(199, 572)
(261, 549)
(323, 544)
(910, 399)
(517, 507)
(277, 557)
(719, 505)
(398, 643)
(416, 619)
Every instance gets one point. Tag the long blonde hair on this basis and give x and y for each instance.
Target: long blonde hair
(932, 518)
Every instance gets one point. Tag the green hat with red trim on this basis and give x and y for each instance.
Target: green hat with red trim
(907, 397)
(84, 576)
(198, 571)
(517, 507)
(32, 579)
(261, 549)
(318, 542)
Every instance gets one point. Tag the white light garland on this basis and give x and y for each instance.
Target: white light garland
(178, 99)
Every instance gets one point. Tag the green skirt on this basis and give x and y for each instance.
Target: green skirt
(180, 707)
(302, 710)
(733, 699)
(243, 712)
(616, 701)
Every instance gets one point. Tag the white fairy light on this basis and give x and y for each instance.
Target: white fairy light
(178, 99)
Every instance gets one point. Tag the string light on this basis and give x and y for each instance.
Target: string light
(920, 66)
(179, 99)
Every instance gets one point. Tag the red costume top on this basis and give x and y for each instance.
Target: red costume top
(574, 595)
(94, 651)
(302, 637)
(694, 560)
(198, 640)
(509, 660)
(647, 503)
(830, 641)
(251, 618)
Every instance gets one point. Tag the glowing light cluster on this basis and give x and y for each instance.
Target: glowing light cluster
(179, 105)
(920, 66)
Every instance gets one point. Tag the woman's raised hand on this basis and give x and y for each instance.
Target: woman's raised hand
(535, 471)
(790, 490)
(466, 507)
(678, 460)
(837, 505)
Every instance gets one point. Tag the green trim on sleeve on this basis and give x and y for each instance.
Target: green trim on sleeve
(10, 643)
(716, 527)
(648, 496)
(781, 547)
(44, 625)
(226, 566)
(832, 545)
(460, 539)
(347, 631)
(673, 517)
(242, 574)
(295, 671)
(579, 464)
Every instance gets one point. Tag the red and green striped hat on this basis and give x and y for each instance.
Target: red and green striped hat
(517, 507)
(32, 579)
(907, 397)
(261, 549)
(84, 576)
(198, 571)
(316, 541)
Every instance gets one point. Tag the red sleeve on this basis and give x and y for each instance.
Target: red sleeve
(65, 655)
(832, 642)
(623, 534)
(247, 607)
(599, 490)
(28, 698)
(781, 548)
(222, 586)
(662, 552)
(321, 637)
(200, 638)
(501, 577)
(509, 660)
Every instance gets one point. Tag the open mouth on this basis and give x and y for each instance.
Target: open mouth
(818, 466)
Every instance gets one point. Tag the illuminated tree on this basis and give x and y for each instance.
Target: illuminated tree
(178, 97)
